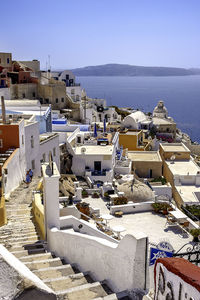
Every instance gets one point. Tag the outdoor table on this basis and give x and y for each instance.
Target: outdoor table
(178, 215)
(107, 218)
(118, 229)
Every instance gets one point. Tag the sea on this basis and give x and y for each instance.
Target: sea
(181, 95)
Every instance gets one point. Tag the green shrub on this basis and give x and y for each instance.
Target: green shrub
(84, 193)
(120, 200)
(195, 232)
(95, 195)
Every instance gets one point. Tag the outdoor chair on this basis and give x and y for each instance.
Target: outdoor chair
(171, 221)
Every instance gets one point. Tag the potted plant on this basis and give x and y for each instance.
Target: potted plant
(95, 195)
(106, 196)
(157, 207)
(195, 232)
(84, 194)
(84, 208)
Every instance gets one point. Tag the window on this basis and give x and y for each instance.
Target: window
(1, 143)
(56, 100)
(32, 142)
(8, 60)
(33, 164)
(54, 151)
(23, 95)
(22, 139)
(62, 99)
(34, 94)
(47, 101)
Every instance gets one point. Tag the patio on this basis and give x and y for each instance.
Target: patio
(150, 223)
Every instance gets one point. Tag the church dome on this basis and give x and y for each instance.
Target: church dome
(160, 110)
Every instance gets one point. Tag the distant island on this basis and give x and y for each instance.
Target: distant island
(129, 70)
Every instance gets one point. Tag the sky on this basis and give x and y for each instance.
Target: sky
(78, 33)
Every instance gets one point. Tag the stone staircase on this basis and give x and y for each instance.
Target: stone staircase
(21, 237)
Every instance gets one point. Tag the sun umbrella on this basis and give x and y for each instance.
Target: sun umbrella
(95, 129)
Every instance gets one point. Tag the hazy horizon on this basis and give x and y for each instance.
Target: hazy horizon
(87, 33)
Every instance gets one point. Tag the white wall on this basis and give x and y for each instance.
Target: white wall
(22, 156)
(132, 208)
(6, 93)
(163, 190)
(122, 265)
(32, 129)
(14, 176)
(162, 290)
(47, 146)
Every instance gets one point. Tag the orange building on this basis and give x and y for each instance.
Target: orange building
(9, 137)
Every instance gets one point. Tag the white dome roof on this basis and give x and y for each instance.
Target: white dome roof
(133, 120)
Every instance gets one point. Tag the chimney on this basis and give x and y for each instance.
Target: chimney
(3, 110)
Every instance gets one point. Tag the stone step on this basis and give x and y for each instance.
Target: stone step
(20, 239)
(19, 253)
(17, 235)
(86, 291)
(108, 297)
(41, 264)
(66, 282)
(34, 257)
(19, 206)
(17, 229)
(31, 248)
(18, 211)
(18, 218)
(54, 272)
(20, 224)
(12, 245)
(13, 225)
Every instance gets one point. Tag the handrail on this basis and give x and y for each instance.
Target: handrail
(189, 213)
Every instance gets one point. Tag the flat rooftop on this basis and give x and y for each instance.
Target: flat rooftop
(189, 193)
(47, 135)
(149, 223)
(144, 156)
(94, 150)
(130, 132)
(174, 147)
(161, 121)
(183, 167)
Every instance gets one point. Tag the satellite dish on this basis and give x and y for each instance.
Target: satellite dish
(172, 158)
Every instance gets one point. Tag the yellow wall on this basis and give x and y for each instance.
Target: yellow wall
(130, 141)
(3, 218)
(142, 168)
(181, 155)
(38, 211)
(170, 178)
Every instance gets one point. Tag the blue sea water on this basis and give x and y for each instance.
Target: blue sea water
(181, 95)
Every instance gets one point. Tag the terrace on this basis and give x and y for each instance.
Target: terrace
(144, 220)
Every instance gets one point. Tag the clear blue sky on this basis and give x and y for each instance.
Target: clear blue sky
(78, 33)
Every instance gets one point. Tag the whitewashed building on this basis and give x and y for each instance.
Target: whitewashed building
(137, 120)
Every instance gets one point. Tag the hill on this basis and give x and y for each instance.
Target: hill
(129, 70)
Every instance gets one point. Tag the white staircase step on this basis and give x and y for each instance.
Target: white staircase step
(35, 257)
(65, 282)
(86, 291)
(40, 264)
(53, 272)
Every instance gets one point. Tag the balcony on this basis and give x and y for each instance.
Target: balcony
(123, 167)
(103, 175)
